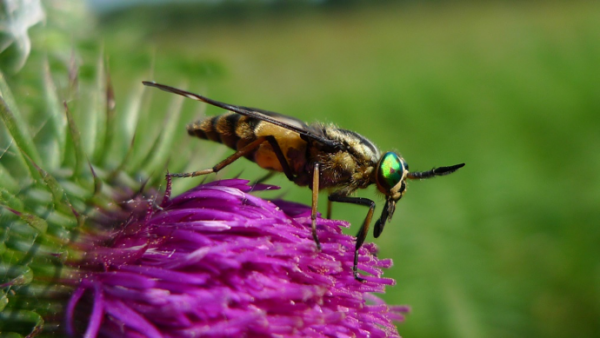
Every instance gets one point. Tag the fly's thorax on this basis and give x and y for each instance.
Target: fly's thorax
(337, 168)
(340, 169)
(359, 146)
(348, 167)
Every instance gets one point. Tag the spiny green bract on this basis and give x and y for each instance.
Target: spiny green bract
(69, 154)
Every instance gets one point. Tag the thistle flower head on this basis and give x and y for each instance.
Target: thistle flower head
(217, 261)
(83, 254)
(103, 261)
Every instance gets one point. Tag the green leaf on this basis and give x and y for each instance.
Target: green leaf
(3, 300)
(14, 122)
(93, 124)
(10, 200)
(20, 164)
(105, 88)
(126, 125)
(35, 222)
(23, 275)
(7, 181)
(59, 197)
(20, 321)
(163, 149)
(57, 123)
(75, 137)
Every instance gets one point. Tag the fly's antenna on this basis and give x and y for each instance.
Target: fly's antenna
(441, 171)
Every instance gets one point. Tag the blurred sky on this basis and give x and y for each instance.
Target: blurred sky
(105, 6)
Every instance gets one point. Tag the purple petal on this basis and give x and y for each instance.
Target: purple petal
(97, 312)
(216, 261)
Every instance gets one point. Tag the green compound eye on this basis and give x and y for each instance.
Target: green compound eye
(390, 170)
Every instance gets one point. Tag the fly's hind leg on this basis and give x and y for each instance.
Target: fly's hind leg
(241, 152)
(247, 149)
(364, 229)
(315, 200)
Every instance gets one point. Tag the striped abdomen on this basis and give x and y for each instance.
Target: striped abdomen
(236, 131)
(230, 129)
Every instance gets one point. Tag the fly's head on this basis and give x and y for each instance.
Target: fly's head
(390, 177)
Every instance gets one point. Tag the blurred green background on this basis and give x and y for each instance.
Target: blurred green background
(509, 246)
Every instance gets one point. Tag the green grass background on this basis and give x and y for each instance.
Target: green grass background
(509, 246)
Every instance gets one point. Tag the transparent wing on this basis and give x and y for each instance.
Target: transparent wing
(260, 114)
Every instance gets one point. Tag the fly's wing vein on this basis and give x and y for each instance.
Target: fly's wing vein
(260, 114)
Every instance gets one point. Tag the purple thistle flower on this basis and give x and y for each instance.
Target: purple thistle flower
(219, 262)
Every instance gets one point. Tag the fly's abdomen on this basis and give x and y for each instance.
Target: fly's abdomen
(236, 131)
(230, 129)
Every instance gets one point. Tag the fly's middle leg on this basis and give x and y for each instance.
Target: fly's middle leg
(364, 229)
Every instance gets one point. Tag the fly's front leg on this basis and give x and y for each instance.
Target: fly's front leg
(364, 229)
(315, 200)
